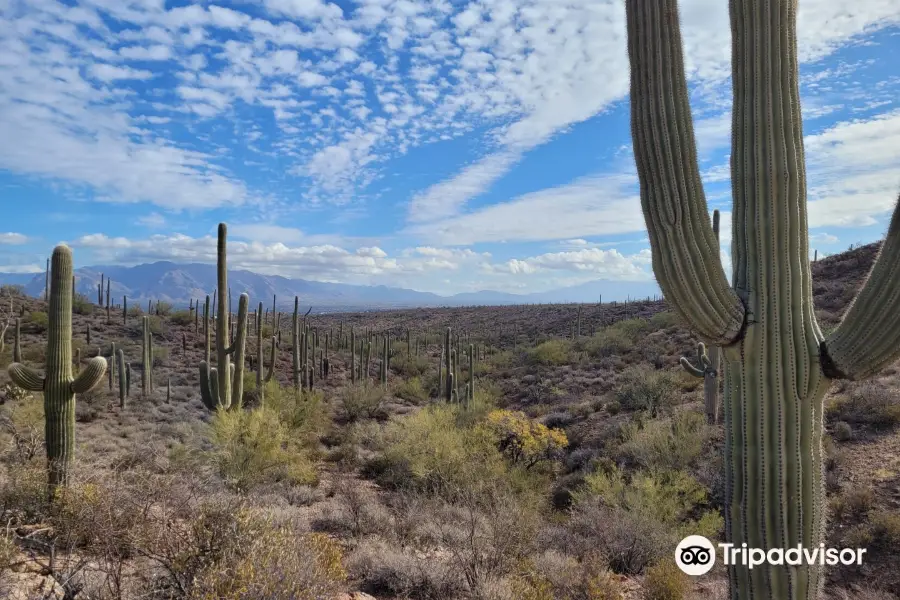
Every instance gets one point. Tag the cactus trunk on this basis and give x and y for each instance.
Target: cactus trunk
(777, 364)
(58, 386)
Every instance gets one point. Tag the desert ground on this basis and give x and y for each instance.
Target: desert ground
(581, 459)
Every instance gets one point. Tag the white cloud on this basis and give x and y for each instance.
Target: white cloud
(12, 238)
(853, 171)
(446, 198)
(153, 220)
(590, 206)
(23, 269)
(108, 73)
(600, 264)
(148, 53)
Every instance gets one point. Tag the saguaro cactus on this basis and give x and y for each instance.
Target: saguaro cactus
(58, 385)
(17, 341)
(146, 357)
(778, 364)
(123, 383)
(223, 385)
(448, 367)
(705, 368)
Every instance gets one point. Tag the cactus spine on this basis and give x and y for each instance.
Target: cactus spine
(778, 364)
(58, 384)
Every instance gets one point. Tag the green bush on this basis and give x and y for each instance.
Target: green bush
(609, 342)
(672, 498)
(631, 328)
(551, 353)
(664, 320)
(869, 404)
(362, 400)
(429, 451)
(405, 366)
(673, 443)
(162, 308)
(646, 389)
(255, 447)
(182, 317)
(842, 431)
(412, 390)
(665, 581)
(81, 305)
(39, 320)
(523, 441)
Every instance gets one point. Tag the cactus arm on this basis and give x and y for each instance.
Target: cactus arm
(685, 254)
(206, 392)
(240, 339)
(25, 378)
(271, 371)
(89, 376)
(690, 368)
(214, 388)
(868, 337)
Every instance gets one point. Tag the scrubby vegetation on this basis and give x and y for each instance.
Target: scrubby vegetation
(571, 473)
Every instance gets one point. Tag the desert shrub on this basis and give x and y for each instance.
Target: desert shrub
(613, 407)
(429, 451)
(672, 443)
(39, 320)
(854, 504)
(664, 320)
(81, 305)
(135, 310)
(523, 441)
(275, 563)
(160, 355)
(550, 353)
(182, 317)
(843, 432)
(361, 401)
(412, 390)
(162, 308)
(665, 581)
(631, 328)
(410, 366)
(647, 389)
(869, 404)
(387, 570)
(256, 446)
(307, 418)
(880, 533)
(672, 498)
(609, 342)
(628, 541)
(22, 427)
(157, 326)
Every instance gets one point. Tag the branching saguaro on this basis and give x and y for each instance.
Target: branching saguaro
(778, 365)
(223, 386)
(58, 384)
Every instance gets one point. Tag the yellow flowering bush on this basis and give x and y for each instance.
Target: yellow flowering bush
(523, 441)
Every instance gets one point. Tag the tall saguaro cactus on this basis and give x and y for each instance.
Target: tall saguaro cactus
(778, 364)
(223, 385)
(58, 384)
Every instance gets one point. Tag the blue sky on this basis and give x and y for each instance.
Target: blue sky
(446, 146)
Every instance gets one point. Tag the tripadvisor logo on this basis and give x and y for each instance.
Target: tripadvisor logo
(696, 555)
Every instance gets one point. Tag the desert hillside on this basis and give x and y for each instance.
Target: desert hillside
(570, 469)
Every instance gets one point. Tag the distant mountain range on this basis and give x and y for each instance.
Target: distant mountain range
(179, 283)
